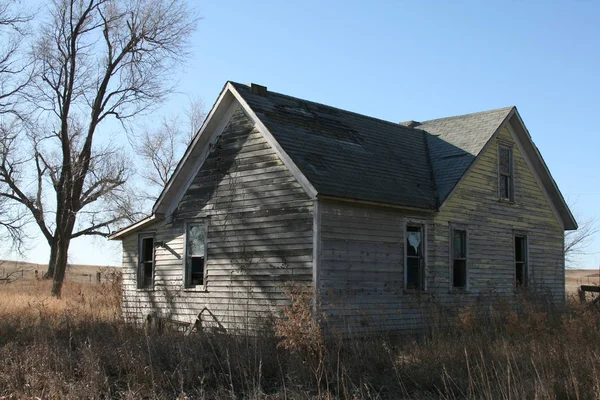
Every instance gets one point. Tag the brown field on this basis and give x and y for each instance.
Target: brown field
(18, 270)
(577, 277)
(79, 347)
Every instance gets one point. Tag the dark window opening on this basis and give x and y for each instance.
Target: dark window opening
(505, 173)
(196, 254)
(197, 271)
(146, 263)
(459, 259)
(415, 271)
(520, 261)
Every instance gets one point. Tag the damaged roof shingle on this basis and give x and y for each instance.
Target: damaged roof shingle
(345, 154)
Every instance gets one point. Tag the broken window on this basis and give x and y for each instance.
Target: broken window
(195, 254)
(459, 258)
(415, 266)
(505, 173)
(145, 270)
(521, 261)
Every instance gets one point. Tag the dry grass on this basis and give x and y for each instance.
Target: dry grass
(79, 348)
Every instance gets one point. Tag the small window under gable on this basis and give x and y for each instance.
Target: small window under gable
(145, 270)
(505, 172)
(195, 260)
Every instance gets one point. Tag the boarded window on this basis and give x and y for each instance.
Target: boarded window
(505, 173)
(195, 254)
(415, 266)
(521, 261)
(145, 272)
(459, 258)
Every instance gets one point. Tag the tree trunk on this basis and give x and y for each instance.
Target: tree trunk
(60, 266)
(51, 262)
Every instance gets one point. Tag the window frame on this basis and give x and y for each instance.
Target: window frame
(423, 226)
(511, 176)
(526, 262)
(186, 281)
(138, 274)
(452, 228)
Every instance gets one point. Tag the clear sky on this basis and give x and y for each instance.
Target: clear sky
(401, 60)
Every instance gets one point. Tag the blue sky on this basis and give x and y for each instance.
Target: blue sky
(400, 60)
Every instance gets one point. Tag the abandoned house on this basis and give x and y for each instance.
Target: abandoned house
(378, 217)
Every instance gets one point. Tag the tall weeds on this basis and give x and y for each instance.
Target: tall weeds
(80, 348)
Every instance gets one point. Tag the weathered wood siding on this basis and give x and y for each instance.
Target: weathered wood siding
(361, 260)
(361, 274)
(260, 236)
(492, 224)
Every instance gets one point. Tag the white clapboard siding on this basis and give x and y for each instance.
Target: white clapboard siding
(260, 236)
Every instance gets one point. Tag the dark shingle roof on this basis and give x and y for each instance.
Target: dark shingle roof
(454, 143)
(351, 155)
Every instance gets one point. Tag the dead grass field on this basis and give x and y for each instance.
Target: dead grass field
(79, 347)
(577, 277)
(20, 270)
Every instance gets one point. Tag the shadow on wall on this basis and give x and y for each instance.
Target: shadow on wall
(259, 236)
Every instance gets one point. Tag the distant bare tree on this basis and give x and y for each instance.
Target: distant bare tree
(162, 148)
(97, 60)
(577, 241)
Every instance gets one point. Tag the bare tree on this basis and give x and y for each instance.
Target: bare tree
(577, 241)
(97, 60)
(15, 75)
(161, 149)
(15, 72)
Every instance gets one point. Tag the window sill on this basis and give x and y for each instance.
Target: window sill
(506, 201)
(459, 291)
(145, 289)
(414, 291)
(196, 289)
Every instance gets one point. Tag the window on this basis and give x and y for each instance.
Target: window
(415, 266)
(505, 173)
(195, 254)
(459, 258)
(521, 267)
(145, 271)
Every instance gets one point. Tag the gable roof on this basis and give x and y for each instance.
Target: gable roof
(343, 154)
(455, 142)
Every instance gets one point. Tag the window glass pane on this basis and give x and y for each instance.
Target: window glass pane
(460, 238)
(147, 274)
(504, 187)
(413, 278)
(196, 239)
(504, 160)
(460, 273)
(414, 245)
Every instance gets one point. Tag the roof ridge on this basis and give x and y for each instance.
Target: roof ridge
(415, 128)
(398, 124)
(507, 108)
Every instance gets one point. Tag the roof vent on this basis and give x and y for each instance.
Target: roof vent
(258, 89)
(410, 124)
